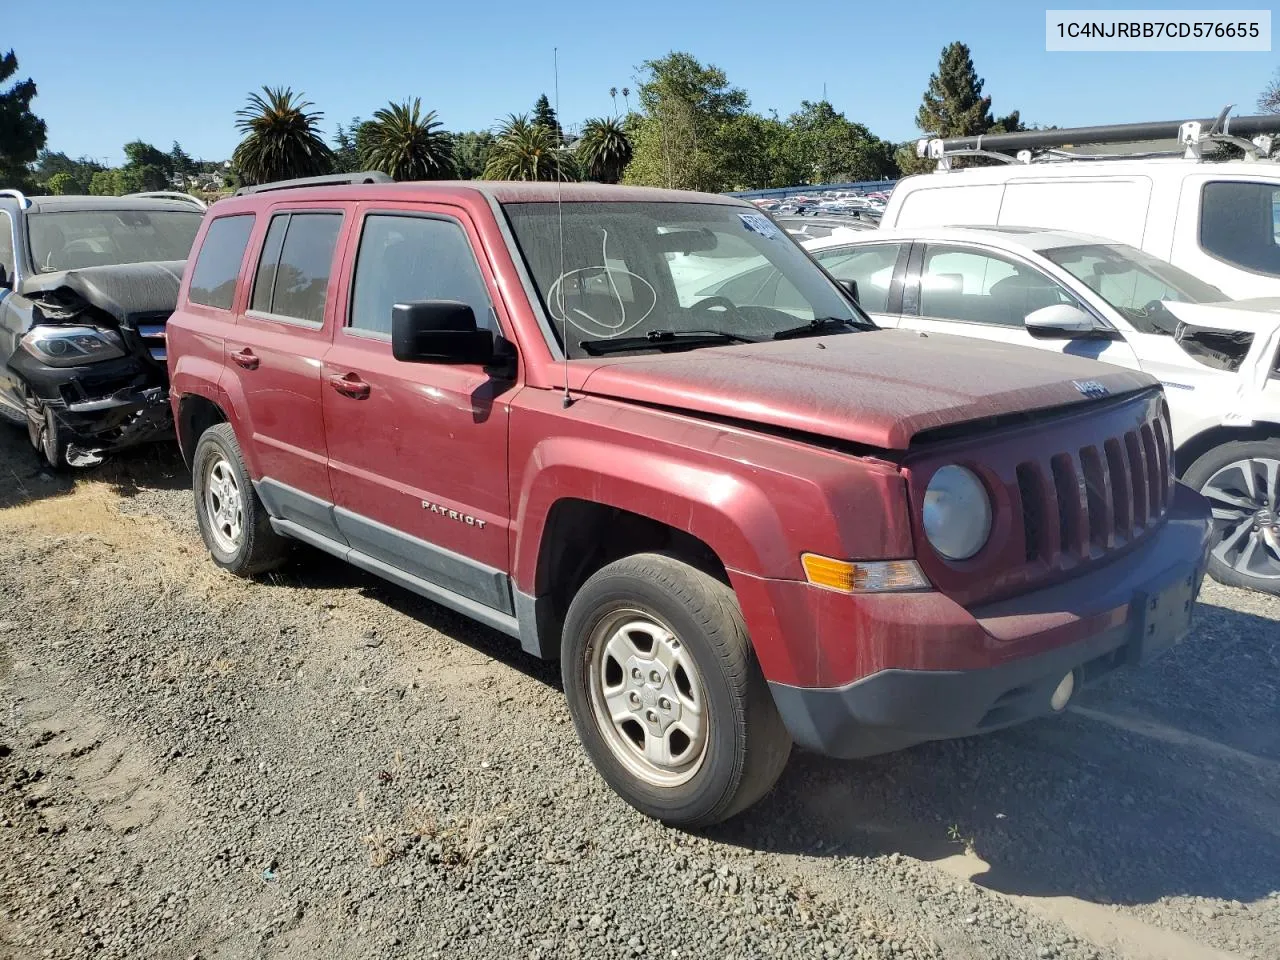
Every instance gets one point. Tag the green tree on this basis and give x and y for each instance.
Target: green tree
(346, 159)
(105, 183)
(64, 184)
(954, 106)
(181, 164)
(471, 153)
(1269, 98)
(604, 149)
(50, 163)
(22, 133)
(526, 150)
(827, 147)
(407, 144)
(281, 138)
(545, 116)
(679, 137)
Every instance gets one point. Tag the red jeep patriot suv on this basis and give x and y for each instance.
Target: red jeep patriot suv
(564, 411)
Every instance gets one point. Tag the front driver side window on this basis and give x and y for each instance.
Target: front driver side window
(406, 258)
(976, 287)
(871, 266)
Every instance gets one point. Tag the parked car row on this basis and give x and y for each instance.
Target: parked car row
(645, 433)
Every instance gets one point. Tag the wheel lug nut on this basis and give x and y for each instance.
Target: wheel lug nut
(664, 703)
(634, 698)
(651, 717)
(635, 673)
(655, 677)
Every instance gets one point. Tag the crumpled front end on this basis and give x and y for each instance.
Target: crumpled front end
(93, 356)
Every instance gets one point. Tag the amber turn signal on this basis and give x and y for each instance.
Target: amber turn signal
(863, 576)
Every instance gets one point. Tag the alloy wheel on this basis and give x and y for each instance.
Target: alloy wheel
(223, 504)
(1245, 497)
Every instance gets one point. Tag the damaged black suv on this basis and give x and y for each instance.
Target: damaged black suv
(87, 285)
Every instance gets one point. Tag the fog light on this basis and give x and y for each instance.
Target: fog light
(1063, 694)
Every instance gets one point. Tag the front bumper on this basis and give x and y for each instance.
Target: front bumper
(101, 407)
(1123, 613)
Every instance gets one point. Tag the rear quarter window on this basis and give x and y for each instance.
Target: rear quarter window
(217, 266)
(1240, 224)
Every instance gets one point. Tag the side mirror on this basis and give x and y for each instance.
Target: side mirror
(851, 288)
(5, 282)
(438, 331)
(1063, 321)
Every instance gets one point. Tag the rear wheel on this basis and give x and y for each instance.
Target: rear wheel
(232, 520)
(1241, 480)
(666, 693)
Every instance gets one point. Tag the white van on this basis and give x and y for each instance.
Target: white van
(1218, 220)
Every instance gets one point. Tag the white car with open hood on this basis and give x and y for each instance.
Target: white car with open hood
(1086, 296)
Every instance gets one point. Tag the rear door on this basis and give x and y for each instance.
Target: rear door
(274, 358)
(418, 451)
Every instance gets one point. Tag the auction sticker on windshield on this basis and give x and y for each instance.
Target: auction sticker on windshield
(759, 223)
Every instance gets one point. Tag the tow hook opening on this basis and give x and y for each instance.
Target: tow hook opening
(1063, 693)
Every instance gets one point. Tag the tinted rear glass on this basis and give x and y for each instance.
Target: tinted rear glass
(293, 274)
(1240, 223)
(213, 278)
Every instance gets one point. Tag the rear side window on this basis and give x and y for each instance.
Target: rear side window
(213, 278)
(871, 266)
(406, 258)
(292, 280)
(1240, 223)
(976, 287)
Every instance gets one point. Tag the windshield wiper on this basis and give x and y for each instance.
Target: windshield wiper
(657, 339)
(821, 325)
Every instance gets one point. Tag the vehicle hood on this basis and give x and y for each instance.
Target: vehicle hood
(877, 389)
(1260, 315)
(118, 289)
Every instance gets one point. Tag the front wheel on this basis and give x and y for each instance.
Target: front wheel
(666, 693)
(42, 430)
(1241, 480)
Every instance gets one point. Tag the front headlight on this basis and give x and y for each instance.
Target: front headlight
(957, 513)
(72, 346)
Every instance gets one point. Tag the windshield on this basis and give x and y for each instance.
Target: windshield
(93, 238)
(1135, 283)
(664, 271)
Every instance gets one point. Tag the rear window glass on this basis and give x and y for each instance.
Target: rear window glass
(1240, 223)
(292, 280)
(213, 278)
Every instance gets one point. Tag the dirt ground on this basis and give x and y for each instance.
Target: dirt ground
(322, 765)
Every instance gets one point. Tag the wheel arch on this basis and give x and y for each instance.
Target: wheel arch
(1197, 446)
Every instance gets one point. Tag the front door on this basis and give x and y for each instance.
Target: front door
(973, 292)
(418, 451)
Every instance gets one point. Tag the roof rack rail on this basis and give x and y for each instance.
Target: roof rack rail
(169, 195)
(18, 195)
(1133, 141)
(327, 180)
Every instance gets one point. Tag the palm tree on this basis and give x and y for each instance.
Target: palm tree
(407, 144)
(282, 140)
(527, 150)
(613, 95)
(626, 93)
(604, 149)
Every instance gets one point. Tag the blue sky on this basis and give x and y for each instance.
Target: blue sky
(160, 71)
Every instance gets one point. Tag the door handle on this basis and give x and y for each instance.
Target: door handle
(350, 386)
(246, 358)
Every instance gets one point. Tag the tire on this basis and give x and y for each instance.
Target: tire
(719, 758)
(42, 431)
(233, 522)
(1240, 480)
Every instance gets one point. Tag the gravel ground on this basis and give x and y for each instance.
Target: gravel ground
(321, 765)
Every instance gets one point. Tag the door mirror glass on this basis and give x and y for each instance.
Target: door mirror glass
(1061, 321)
(438, 331)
